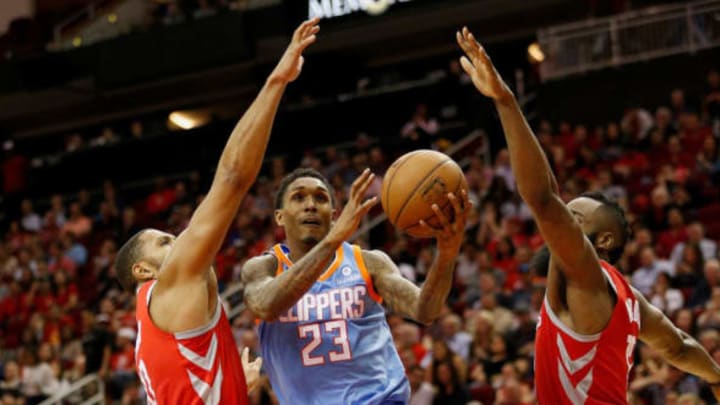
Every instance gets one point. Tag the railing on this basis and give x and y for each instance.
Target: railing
(88, 390)
(85, 14)
(629, 37)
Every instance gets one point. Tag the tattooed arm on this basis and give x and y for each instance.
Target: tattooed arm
(402, 296)
(269, 296)
(423, 304)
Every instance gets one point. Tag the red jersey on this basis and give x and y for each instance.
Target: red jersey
(196, 367)
(574, 369)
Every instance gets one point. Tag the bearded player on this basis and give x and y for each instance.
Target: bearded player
(591, 318)
(185, 350)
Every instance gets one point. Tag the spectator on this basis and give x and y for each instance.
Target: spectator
(695, 234)
(450, 390)
(441, 353)
(690, 270)
(674, 235)
(420, 128)
(78, 223)
(457, 339)
(710, 318)
(38, 379)
(421, 392)
(701, 292)
(30, 221)
(644, 277)
(11, 383)
(664, 297)
(97, 344)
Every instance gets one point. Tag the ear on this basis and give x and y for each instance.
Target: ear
(605, 241)
(141, 271)
(279, 218)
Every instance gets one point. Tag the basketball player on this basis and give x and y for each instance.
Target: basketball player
(324, 335)
(591, 317)
(185, 350)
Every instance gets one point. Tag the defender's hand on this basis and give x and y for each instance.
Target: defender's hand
(355, 209)
(478, 66)
(450, 235)
(251, 370)
(290, 65)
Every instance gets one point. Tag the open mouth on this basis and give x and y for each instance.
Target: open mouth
(311, 222)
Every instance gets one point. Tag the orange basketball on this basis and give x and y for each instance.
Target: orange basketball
(413, 183)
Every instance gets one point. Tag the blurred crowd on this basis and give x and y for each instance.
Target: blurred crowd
(63, 315)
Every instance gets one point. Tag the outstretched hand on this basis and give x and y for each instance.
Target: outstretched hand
(450, 235)
(479, 67)
(251, 370)
(355, 209)
(290, 65)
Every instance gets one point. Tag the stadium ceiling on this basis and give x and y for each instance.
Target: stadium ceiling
(415, 30)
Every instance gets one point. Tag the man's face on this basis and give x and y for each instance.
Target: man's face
(307, 210)
(156, 246)
(584, 210)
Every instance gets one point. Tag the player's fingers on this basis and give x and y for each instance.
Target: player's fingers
(259, 362)
(358, 181)
(426, 228)
(458, 211)
(467, 204)
(363, 187)
(306, 25)
(442, 218)
(467, 66)
(366, 184)
(462, 42)
(307, 42)
(245, 355)
(367, 205)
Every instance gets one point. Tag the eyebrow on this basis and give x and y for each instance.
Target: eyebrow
(299, 188)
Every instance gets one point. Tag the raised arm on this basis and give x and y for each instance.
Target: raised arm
(535, 182)
(269, 296)
(405, 298)
(195, 248)
(676, 346)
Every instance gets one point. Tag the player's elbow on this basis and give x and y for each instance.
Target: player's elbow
(677, 352)
(263, 312)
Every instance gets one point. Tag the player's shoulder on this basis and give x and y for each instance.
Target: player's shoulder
(259, 267)
(377, 261)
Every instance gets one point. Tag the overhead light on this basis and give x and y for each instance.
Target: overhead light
(182, 120)
(112, 18)
(535, 53)
(188, 119)
(77, 41)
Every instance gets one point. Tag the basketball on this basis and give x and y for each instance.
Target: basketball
(416, 181)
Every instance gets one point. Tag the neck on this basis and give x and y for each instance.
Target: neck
(298, 249)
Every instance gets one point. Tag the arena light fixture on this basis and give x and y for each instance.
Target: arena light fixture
(183, 120)
(112, 18)
(188, 119)
(535, 53)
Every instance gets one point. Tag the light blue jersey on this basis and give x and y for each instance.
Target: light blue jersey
(334, 346)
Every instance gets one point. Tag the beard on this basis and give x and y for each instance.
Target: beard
(310, 240)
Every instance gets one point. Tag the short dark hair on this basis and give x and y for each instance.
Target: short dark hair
(296, 174)
(129, 254)
(613, 211)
